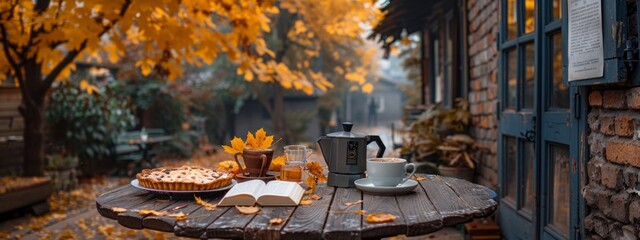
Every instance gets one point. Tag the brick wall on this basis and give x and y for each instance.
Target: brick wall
(483, 16)
(614, 163)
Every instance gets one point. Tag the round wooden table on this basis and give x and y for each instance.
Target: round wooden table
(436, 203)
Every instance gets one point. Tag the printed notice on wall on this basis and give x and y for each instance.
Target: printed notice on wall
(585, 44)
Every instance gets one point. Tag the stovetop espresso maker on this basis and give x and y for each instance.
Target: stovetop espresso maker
(346, 155)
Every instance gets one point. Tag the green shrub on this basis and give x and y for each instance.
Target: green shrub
(87, 122)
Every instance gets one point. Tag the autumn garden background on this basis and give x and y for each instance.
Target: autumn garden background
(79, 75)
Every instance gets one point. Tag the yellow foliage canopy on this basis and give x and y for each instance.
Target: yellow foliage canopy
(51, 36)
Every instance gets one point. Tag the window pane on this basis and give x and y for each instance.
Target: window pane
(529, 76)
(529, 16)
(512, 17)
(512, 78)
(510, 157)
(559, 172)
(528, 201)
(557, 9)
(560, 92)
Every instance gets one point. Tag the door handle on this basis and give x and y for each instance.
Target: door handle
(529, 135)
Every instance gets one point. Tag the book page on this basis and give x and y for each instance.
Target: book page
(244, 193)
(279, 188)
(281, 193)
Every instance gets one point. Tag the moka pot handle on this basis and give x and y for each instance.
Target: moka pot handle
(378, 141)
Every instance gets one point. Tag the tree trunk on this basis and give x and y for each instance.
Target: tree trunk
(277, 117)
(33, 115)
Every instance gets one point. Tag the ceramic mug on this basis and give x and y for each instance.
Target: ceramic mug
(257, 161)
(388, 172)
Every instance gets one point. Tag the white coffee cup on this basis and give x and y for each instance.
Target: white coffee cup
(388, 172)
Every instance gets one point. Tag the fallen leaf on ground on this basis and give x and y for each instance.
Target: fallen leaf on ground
(420, 178)
(380, 218)
(105, 230)
(248, 210)
(353, 203)
(206, 205)
(276, 221)
(305, 201)
(118, 209)
(315, 197)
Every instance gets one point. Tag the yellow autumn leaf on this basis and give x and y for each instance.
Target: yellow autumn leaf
(206, 205)
(118, 209)
(276, 163)
(316, 170)
(237, 146)
(229, 166)
(367, 88)
(248, 210)
(306, 202)
(276, 221)
(380, 218)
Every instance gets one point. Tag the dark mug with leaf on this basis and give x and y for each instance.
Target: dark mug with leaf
(256, 161)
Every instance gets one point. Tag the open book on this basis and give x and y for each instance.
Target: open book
(274, 193)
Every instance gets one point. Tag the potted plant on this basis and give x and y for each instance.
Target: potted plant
(457, 156)
(439, 143)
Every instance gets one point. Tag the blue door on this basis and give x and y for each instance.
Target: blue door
(538, 143)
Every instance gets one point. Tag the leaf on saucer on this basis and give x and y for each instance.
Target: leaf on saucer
(353, 203)
(276, 221)
(380, 217)
(118, 209)
(206, 205)
(248, 210)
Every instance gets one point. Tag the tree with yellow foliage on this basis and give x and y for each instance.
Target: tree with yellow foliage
(41, 39)
(316, 45)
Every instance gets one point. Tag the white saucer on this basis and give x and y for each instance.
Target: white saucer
(365, 185)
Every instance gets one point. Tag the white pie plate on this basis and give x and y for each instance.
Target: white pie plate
(136, 184)
(365, 185)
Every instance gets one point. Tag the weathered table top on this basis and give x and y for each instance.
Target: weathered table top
(436, 203)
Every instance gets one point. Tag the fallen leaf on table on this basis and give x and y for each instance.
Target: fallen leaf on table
(353, 203)
(149, 212)
(380, 218)
(248, 210)
(315, 197)
(276, 221)
(361, 212)
(206, 205)
(305, 201)
(419, 178)
(179, 216)
(118, 209)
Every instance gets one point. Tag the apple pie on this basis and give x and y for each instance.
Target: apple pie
(185, 178)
